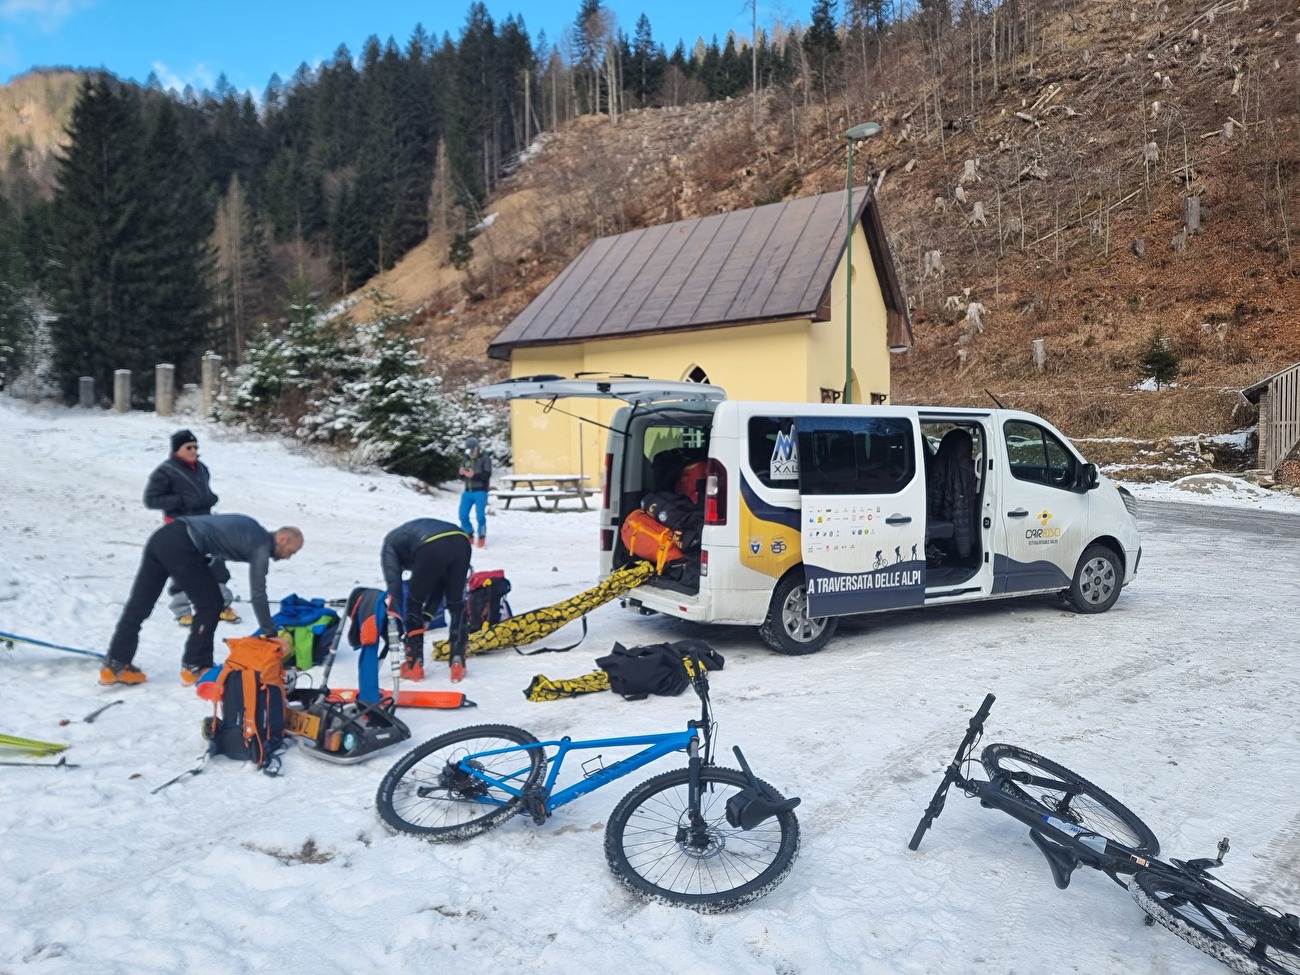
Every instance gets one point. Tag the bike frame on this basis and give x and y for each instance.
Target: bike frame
(657, 746)
(1061, 844)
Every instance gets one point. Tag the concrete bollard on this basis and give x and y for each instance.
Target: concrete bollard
(210, 375)
(86, 392)
(164, 391)
(1040, 353)
(122, 390)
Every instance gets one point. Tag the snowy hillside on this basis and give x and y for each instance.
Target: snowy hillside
(1181, 701)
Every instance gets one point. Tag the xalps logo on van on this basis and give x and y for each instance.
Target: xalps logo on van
(784, 465)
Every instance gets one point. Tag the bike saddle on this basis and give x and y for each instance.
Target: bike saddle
(749, 807)
(1061, 861)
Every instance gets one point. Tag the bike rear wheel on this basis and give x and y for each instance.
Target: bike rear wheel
(1245, 937)
(429, 793)
(1068, 796)
(648, 846)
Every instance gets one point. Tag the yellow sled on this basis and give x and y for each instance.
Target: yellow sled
(532, 626)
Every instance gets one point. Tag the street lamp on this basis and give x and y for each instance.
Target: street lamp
(859, 133)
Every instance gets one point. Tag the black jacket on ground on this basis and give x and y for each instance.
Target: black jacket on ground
(176, 489)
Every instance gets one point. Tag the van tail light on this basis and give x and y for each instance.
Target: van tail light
(704, 562)
(604, 487)
(715, 493)
(607, 539)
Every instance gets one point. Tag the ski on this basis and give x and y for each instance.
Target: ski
(9, 639)
(31, 745)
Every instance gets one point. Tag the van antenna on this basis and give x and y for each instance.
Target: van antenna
(996, 400)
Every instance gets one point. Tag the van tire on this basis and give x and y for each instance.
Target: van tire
(787, 628)
(1098, 579)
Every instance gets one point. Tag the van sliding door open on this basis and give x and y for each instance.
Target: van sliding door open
(863, 513)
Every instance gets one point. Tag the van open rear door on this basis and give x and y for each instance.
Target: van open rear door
(863, 513)
(632, 390)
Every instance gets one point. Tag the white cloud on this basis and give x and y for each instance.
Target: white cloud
(47, 15)
(199, 77)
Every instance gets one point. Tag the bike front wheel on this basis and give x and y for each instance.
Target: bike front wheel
(432, 791)
(651, 849)
(1245, 937)
(1068, 796)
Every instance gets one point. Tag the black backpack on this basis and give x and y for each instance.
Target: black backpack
(657, 668)
(485, 600)
(678, 512)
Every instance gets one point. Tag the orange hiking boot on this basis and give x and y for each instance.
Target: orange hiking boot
(457, 669)
(114, 672)
(191, 674)
(482, 540)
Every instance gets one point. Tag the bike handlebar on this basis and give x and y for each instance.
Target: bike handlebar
(953, 772)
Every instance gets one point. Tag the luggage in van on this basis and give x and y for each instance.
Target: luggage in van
(647, 539)
(677, 512)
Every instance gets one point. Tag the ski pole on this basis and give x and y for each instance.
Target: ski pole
(9, 639)
(61, 763)
(89, 719)
(189, 771)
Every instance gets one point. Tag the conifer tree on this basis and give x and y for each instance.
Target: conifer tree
(99, 266)
(1160, 362)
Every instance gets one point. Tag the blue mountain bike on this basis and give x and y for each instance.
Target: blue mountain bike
(704, 836)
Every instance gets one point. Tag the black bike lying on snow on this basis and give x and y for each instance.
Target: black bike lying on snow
(1074, 823)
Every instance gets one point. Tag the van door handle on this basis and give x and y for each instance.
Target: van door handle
(903, 519)
(1018, 513)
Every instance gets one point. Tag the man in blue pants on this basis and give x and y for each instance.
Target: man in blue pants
(476, 472)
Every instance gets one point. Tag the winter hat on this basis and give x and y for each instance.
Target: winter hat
(182, 437)
(471, 443)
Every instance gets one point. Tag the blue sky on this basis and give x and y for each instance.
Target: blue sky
(194, 41)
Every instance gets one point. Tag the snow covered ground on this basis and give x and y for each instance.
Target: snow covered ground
(1181, 701)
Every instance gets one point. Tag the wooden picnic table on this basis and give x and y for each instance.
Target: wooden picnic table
(544, 487)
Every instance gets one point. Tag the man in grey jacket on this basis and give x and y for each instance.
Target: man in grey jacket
(181, 550)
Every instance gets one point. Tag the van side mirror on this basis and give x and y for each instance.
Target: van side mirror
(1089, 477)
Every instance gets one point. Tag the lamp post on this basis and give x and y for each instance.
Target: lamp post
(858, 133)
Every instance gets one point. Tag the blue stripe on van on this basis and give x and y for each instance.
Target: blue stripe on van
(765, 510)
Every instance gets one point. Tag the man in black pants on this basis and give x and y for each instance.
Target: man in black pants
(181, 551)
(437, 555)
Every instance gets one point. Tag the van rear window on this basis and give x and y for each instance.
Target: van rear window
(772, 451)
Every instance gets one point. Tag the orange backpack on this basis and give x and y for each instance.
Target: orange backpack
(248, 713)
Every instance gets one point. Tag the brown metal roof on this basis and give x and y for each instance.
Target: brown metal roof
(768, 263)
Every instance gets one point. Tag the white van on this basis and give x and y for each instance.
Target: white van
(812, 512)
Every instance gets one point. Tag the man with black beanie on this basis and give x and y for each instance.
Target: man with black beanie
(180, 486)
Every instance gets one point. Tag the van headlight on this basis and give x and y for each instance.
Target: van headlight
(1130, 502)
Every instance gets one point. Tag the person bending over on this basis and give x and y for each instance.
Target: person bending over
(183, 550)
(436, 553)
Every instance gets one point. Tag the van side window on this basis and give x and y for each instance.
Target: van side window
(772, 451)
(876, 456)
(1037, 455)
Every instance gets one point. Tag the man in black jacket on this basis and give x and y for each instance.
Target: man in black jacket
(181, 485)
(183, 550)
(436, 553)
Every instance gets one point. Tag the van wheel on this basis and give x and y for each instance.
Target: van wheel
(1097, 580)
(788, 629)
